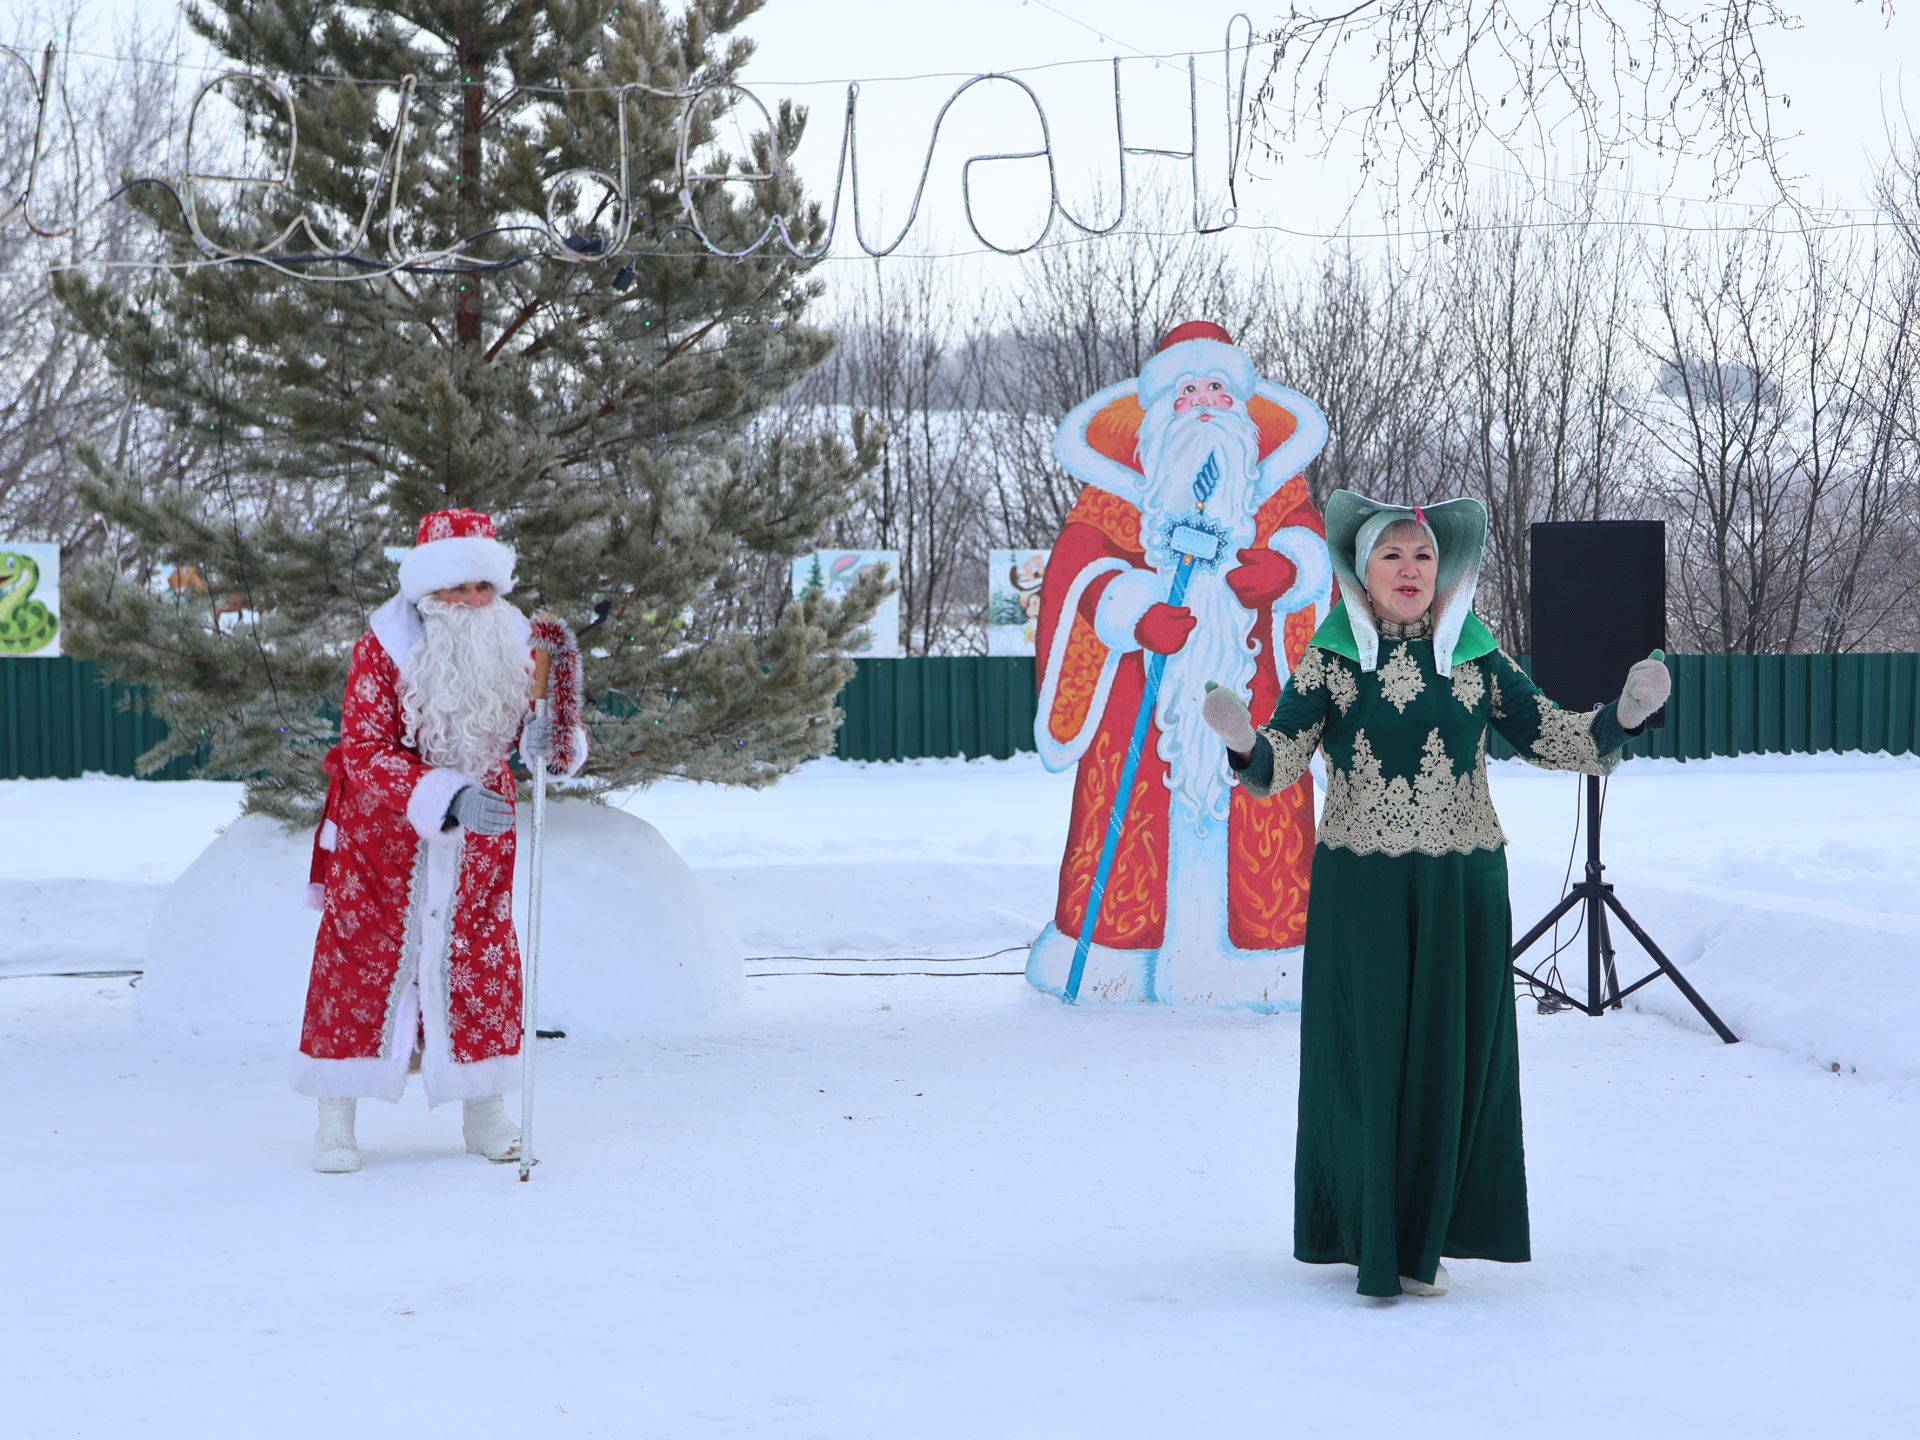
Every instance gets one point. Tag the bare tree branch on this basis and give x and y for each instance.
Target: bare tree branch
(1419, 85)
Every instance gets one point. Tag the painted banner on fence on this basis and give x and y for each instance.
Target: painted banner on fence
(1013, 599)
(834, 572)
(29, 599)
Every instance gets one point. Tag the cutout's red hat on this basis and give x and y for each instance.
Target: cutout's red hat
(1197, 347)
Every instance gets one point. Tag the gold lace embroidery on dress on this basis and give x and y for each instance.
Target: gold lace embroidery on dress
(1311, 673)
(1314, 671)
(1400, 682)
(1436, 813)
(1469, 686)
(1566, 742)
(1499, 696)
(1341, 685)
(1290, 756)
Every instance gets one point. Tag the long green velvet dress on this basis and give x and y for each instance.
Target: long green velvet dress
(1408, 1145)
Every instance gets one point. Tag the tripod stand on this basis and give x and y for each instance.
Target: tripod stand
(1598, 898)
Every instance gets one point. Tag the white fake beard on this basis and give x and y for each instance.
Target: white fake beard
(464, 695)
(1173, 448)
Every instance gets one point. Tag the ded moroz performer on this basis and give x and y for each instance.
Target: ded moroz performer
(416, 964)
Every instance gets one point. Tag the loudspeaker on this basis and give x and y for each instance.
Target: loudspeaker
(1599, 604)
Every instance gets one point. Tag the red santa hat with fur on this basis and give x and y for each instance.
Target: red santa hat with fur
(452, 548)
(1198, 347)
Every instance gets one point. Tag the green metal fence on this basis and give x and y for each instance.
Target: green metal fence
(938, 705)
(56, 719)
(1784, 705)
(1722, 705)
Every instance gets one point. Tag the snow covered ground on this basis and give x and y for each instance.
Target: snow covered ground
(909, 1204)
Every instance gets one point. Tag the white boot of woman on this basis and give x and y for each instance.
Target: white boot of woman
(1441, 1280)
(489, 1131)
(334, 1149)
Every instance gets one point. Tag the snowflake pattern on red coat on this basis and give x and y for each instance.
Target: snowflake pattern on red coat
(375, 891)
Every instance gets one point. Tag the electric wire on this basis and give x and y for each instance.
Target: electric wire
(886, 959)
(324, 78)
(749, 959)
(71, 974)
(1547, 1002)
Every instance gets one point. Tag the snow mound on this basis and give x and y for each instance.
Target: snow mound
(1817, 979)
(631, 938)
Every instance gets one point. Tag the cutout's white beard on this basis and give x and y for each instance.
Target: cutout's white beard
(1220, 649)
(1173, 448)
(464, 695)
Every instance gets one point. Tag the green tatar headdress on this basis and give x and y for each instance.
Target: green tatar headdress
(1459, 530)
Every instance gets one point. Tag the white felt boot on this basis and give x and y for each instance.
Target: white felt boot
(489, 1131)
(1416, 1287)
(334, 1150)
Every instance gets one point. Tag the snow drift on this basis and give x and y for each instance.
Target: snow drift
(631, 937)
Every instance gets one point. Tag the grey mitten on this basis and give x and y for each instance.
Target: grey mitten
(481, 811)
(1227, 713)
(536, 741)
(1647, 688)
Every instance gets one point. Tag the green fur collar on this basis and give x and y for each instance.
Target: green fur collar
(1336, 634)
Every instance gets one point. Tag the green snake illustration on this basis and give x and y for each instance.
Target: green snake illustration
(26, 625)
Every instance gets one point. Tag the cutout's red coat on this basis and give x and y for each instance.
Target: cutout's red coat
(1270, 842)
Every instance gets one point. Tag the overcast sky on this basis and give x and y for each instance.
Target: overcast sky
(1836, 71)
(1842, 73)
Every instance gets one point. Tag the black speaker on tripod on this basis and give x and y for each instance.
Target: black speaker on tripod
(1599, 603)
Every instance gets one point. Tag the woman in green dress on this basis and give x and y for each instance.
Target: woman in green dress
(1409, 1145)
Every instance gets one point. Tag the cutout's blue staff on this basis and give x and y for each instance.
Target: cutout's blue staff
(1200, 543)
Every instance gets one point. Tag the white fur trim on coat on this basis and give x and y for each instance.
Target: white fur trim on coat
(441, 1075)
(1312, 567)
(1122, 603)
(368, 1077)
(1082, 461)
(1091, 467)
(449, 1080)
(427, 805)
(1057, 754)
(398, 628)
(1312, 586)
(439, 564)
(1296, 452)
(422, 1009)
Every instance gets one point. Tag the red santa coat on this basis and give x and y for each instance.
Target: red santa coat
(416, 940)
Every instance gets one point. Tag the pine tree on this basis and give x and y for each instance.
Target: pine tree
(606, 413)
